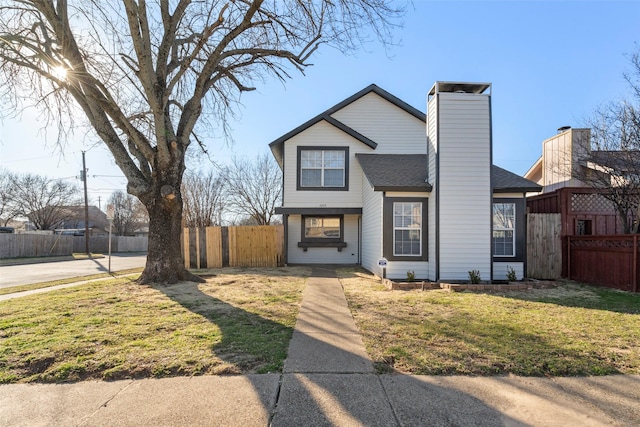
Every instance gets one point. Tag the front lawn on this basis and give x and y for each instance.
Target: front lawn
(569, 330)
(239, 321)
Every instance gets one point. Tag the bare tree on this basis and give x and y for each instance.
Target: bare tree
(128, 213)
(44, 201)
(203, 199)
(254, 188)
(612, 161)
(147, 76)
(8, 209)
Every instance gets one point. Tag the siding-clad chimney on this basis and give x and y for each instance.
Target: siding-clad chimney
(460, 206)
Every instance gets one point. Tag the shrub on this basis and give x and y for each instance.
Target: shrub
(411, 276)
(511, 274)
(474, 277)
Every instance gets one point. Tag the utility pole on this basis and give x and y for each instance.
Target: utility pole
(86, 206)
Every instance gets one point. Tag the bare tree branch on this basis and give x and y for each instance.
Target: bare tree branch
(254, 188)
(147, 76)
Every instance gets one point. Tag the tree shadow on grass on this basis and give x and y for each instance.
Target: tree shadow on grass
(252, 343)
(249, 343)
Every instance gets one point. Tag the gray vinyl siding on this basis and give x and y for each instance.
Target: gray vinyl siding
(464, 186)
(393, 129)
(397, 270)
(500, 270)
(323, 134)
(432, 120)
(371, 228)
(349, 255)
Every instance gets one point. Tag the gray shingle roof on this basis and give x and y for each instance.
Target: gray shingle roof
(408, 172)
(625, 161)
(399, 172)
(503, 181)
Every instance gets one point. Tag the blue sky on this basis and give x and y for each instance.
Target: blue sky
(550, 63)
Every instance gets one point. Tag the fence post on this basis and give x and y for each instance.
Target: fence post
(634, 274)
(569, 257)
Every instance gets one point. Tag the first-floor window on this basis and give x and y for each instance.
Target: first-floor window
(322, 228)
(407, 229)
(504, 229)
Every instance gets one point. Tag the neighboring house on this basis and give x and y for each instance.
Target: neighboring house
(567, 160)
(141, 231)
(373, 177)
(75, 221)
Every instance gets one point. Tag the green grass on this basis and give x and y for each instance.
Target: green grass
(569, 330)
(40, 285)
(236, 322)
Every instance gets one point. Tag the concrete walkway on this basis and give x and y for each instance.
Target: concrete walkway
(328, 380)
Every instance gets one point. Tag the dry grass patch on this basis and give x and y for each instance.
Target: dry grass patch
(239, 321)
(40, 285)
(569, 330)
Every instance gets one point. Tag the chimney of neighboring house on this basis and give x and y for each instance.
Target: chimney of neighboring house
(563, 154)
(460, 205)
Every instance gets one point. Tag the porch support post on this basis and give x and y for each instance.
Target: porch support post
(285, 245)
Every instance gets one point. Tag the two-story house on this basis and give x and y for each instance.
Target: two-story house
(374, 178)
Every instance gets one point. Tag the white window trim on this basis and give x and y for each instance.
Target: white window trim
(322, 168)
(513, 238)
(406, 228)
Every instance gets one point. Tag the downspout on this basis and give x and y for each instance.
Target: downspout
(490, 190)
(359, 240)
(437, 184)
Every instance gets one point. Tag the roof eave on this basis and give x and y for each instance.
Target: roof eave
(428, 188)
(278, 152)
(517, 189)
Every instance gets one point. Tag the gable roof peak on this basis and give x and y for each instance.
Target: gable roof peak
(277, 145)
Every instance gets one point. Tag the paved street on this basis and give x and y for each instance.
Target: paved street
(14, 275)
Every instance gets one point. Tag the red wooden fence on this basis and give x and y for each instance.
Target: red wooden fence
(610, 260)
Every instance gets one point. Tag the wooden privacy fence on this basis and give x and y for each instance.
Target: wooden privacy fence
(544, 246)
(243, 246)
(37, 245)
(610, 261)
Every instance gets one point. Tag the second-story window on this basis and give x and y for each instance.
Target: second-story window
(322, 168)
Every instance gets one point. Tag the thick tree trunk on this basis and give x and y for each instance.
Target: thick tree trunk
(164, 258)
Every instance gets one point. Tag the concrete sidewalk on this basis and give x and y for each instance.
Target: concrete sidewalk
(328, 380)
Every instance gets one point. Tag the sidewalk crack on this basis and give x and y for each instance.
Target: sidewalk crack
(275, 405)
(105, 404)
(386, 396)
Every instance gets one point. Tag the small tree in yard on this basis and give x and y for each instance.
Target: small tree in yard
(612, 164)
(149, 76)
